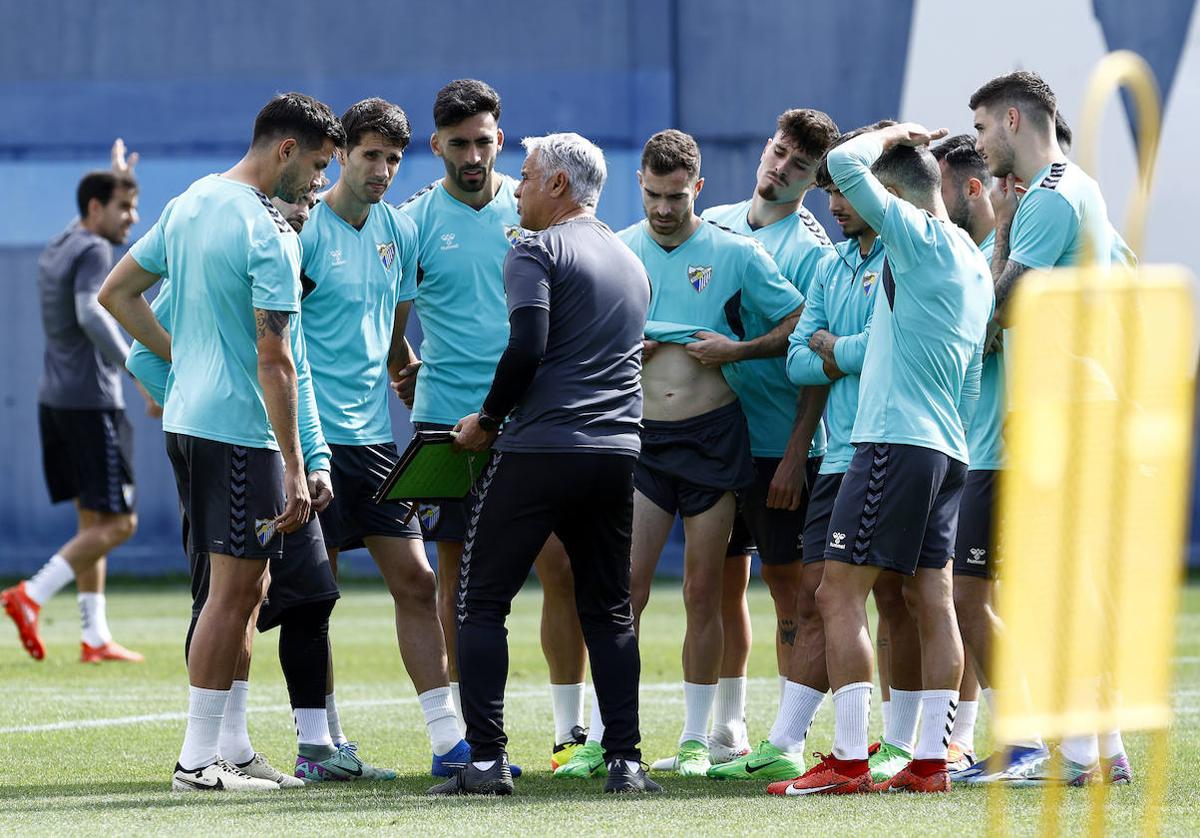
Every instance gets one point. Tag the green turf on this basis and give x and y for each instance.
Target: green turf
(113, 778)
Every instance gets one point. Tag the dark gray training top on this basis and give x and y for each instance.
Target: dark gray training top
(85, 352)
(587, 392)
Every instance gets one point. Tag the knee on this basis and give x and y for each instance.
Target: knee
(785, 586)
(639, 598)
(702, 593)
(415, 585)
(828, 600)
(117, 529)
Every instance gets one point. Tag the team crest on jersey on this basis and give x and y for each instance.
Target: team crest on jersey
(869, 282)
(699, 276)
(264, 530)
(513, 233)
(387, 253)
(430, 514)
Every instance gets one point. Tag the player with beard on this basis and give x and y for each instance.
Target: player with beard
(231, 406)
(786, 440)
(466, 224)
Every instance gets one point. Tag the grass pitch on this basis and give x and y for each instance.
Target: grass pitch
(89, 749)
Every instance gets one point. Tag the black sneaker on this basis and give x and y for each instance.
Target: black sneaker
(622, 779)
(471, 780)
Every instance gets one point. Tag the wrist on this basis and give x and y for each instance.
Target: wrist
(488, 422)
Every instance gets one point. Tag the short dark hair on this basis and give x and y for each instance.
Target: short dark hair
(1062, 132)
(911, 169)
(296, 115)
(669, 150)
(101, 185)
(809, 131)
(824, 180)
(959, 155)
(377, 116)
(462, 99)
(1024, 90)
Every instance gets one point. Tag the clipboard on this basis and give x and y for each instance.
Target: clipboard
(431, 470)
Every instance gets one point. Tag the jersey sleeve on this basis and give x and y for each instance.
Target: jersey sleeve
(1043, 229)
(150, 251)
(409, 245)
(273, 264)
(904, 229)
(968, 399)
(850, 351)
(527, 269)
(150, 370)
(765, 290)
(803, 365)
(308, 422)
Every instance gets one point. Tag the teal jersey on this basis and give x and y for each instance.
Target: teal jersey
(840, 301)
(708, 281)
(921, 373)
(228, 251)
(1120, 254)
(460, 297)
(985, 433)
(798, 244)
(154, 374)
(1055, 216)
(357, 278)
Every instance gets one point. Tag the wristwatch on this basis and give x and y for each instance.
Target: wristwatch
(488, 422)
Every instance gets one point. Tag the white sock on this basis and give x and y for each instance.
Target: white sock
(440, 719)
(937, 720)
(456, 700)
(729, 706)
(567, 700)
(796, 711)
(885, 712)
(596, 728)
(234, 743)
(52, 578)
(1111, 744)
(93, 618)
(312, 726)
(783, 682)
(1084, 750)
(852, 714)
(901, 729)
(963, 734)
(697, 708)
(485, 765)
(200, 740)
(333, 722)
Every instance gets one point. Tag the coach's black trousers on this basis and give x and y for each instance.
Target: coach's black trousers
(586, 499)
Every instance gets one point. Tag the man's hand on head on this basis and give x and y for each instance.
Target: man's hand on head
(910, 134)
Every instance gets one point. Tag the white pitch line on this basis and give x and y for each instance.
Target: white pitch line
(118, 721)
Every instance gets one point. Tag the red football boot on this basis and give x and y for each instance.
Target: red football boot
(829, 776)
(923, 776)
(24, 612)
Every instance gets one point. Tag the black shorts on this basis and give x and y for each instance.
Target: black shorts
(231, 496)
(820, 509)
(444, 520)
(897, 508)
(689, 465)
(975, 548)
(777, 535)
(357, 472)
(88, 454)
(300, 575)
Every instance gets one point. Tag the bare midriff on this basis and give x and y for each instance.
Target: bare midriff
(676, 386)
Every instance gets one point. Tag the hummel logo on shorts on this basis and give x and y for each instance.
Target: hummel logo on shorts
(838, 540)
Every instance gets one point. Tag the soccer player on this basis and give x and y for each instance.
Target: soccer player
(1061, 213)
(466, 223)
(87, 443)
(966, 185)
(897, 507)
(231, 402)
(299, 598)
(359, 258)
(695, 442)
(787, 444)
(564, 462)
(826, 350)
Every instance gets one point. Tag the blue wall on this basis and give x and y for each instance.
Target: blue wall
(181, 81)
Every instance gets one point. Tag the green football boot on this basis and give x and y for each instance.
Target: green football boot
(693, 759)
(587, 761)
(886, 762)
(765, 762)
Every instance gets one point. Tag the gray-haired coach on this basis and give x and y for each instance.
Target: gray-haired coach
(570, 379)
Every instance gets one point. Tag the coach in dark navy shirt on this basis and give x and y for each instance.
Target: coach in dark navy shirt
(569, 384)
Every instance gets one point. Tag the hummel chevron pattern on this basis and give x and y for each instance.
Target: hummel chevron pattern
(464, 570)
(872, 502)
(237, 502)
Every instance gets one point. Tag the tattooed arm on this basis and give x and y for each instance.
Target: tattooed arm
(277, 377)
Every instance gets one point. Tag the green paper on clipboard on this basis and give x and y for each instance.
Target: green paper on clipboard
(431, 470)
